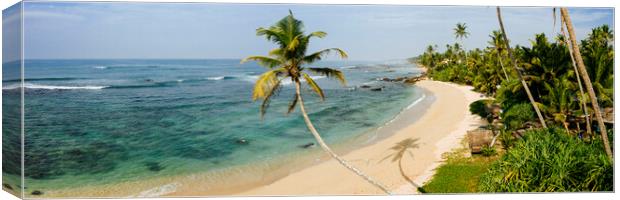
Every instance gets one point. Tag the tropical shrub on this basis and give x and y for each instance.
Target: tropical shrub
(507, 139)
(598, 56)
(518, 114)
(488, 151)
(446, 74)
(511, 93)
(549, 160)
(480, 107)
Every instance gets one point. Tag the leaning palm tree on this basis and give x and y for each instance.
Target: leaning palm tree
(460, 32)
(289, 61)
(586, 79)
(582, 94)
(516, 68)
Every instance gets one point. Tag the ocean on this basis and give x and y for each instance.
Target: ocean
(102, 122)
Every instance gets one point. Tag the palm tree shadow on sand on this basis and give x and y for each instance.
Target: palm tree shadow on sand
(400, 149)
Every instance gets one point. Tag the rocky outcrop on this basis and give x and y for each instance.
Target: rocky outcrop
(404, 79)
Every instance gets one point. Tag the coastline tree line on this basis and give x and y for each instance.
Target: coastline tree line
(539, 89)
(556, 98)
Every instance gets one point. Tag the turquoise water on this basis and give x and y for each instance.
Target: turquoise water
(92, 122)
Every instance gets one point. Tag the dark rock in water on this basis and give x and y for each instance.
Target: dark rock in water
(403, 79)
(376, 89)
(154, 166)
(148, 80)
(398, 79)
(365, 86)
(76, 133)
(166, 124)
(305, 146)
(71, 131)
(242, 141)
(366, 124)
(96, 157)
(36, 192)
(7, 186)
(75, 152)
(206, 150)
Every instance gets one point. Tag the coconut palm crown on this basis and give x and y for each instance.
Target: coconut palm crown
(460, 31)
(289, 61)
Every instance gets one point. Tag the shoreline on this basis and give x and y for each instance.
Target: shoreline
(316, 156)
(438, 130)
(210, 184)
(279, 179)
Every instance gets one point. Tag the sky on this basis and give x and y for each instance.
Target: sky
(64, 30)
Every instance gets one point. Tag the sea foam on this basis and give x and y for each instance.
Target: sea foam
(53, 87)
(159, 191)
(216, 78)
(288, 81)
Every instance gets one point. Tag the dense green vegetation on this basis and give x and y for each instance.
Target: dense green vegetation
(569, 155)
(547, 69)
(549, 160)
(545, 66)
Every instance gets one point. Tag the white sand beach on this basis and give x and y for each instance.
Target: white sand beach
(439, 130)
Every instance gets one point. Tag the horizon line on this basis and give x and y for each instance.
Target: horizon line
(390, 59)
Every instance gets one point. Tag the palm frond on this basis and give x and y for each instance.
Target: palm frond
(291, 27)
(314, 86)
(291, 106)
(277, 52)
(265, 84)
(330, 73)
(265, 61)
(319, 55)
(267, 100)
(294, 43)
(319, 34)
(274, 34)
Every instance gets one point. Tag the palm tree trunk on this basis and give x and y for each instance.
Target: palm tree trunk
(566, 127)
(326, 148)
(494, 140)
(502, 65)
(583, 96)
(586, 79)
(465, 51)
(514, 64)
